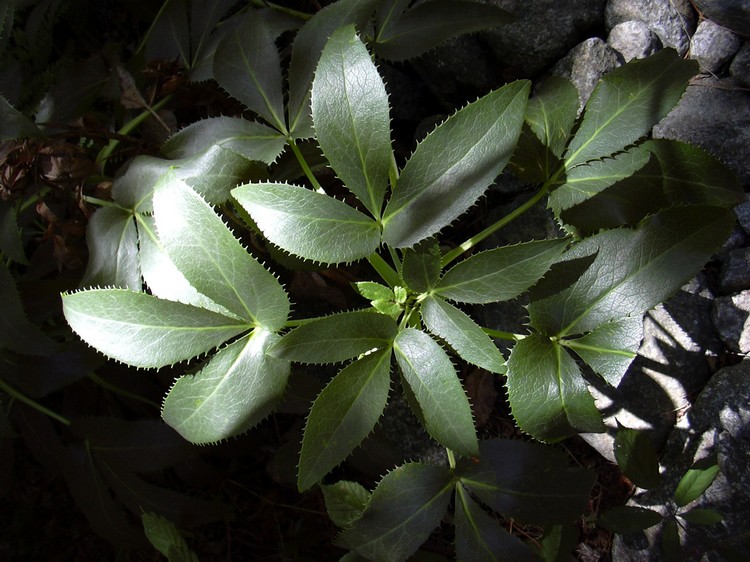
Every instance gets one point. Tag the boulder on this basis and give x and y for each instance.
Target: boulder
(732, 14)
(730, 317)
(585, 64)
(713, 46)
(633, 40)
(672, 20)
(739, 69)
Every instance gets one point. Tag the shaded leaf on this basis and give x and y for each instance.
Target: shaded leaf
(702, 516)
(406, 506)
(548, 396)
(112, 241)
(144, 331)
(350, 113)
(454, 165)
(166, 538)
(169, 36)
(345, 502)
(421, 266)
(696, 481)
(462, 334)
(442, 402)
(309, 224)
(235, 390)
(343, 415)
(500, 274)
(11, 243)
(558, 542)
(337, 337)
(670, 542)
(203, 19)
(13, 124)
(636, 457)
(625, 519)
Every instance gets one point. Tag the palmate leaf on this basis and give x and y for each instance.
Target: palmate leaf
(433, 381)
(627, 103)
(548, 396)
(309, 224)
(350, 114)
(462, 333)
(343, 415)
(337, 338)
(551, 113)
(423, 27)
(236, 389)
(633, 270)
(144, 331)
(421, 266)
(454, 165)
(212, 259)
(133, 187)
(500, 274)
(404, 508)
(248, 66)
(112, 240)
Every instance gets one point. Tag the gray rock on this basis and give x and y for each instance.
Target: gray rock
(718, 426)
(732, 14)
(739, 69)
(713, 46)
(730, 317)
(735, 271)
(672, 20)
(585, 64)
(633, 40)
(716, 116)
(743, 214)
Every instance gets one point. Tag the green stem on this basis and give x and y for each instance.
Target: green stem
(451, 458)
(474, 240)
(104, 203)
(385, 271)
(122, 392)
(499, 334)
(305, 167)
(5, 387)
(296, 13)
(34, 198)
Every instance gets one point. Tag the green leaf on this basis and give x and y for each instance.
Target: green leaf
(212, 260)
(235, 390)
(548, 396)
(625, 519)
(13, 124)
(249, 139)
(695, 481)
(350, 114)
(551, 113)
(702, 516)
(558, 542)
(169, 36)
(11, 243)
(337, 338)
(306, 51)
(480, 537)
(442, 401)
(166, 538)
(247, 65)
(345, 501)
(406, 506)
(636, 457)
(374, 291)
(454, 165)
(527, 481)
(112, 241)
(421, 266)
(309, 224)
(144, 331)
(634, 270)
(428, 24)
(462, 334)
(610, 349)
(627, 103)
(671, 549)
(214, 172)
(500, 274)
(343, 415)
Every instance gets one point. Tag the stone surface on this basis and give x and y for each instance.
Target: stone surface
(714, 115)
(713, 46)
(585, 64)
(735, 271)
(732, 14)
(739, 69)
(718, 426)
(633, 40)
(672, 20)
(730, 317)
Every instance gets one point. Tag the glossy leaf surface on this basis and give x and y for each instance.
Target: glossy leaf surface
(112, 241)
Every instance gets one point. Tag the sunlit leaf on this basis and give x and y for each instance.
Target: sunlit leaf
(112, 241)
(551, 113)
(374, 291)
(133, 187)
(695, 481)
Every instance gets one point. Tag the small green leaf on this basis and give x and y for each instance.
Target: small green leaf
(374, 291)
(112, 241)
(350, 114)
(421, 266)
(454, 165)
(235, 390)
(13, 124)
(337, 338)
(702, 516)
(625, 519)
(211, 258)
(389, 308)
(247, 65)
(671, 548)
(343, 415)
(442, 401)
(551, 113)
(480, 537)
(461, 332)
(166, 538)
(144, 331)
(547, 393)
(406, 506)
(500, 274)
(636, 457)
(425, 26)
(11, 243)
(695, 481)
(558, 542)
(309, 224)
(345, 502)
(627, 103)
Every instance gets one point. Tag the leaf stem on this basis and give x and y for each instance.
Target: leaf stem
(5, 387)
(385, 271)
(104, 203)
(305, 167)
(295, 13)
(474, 240)
(451, 458)
(499, 334)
